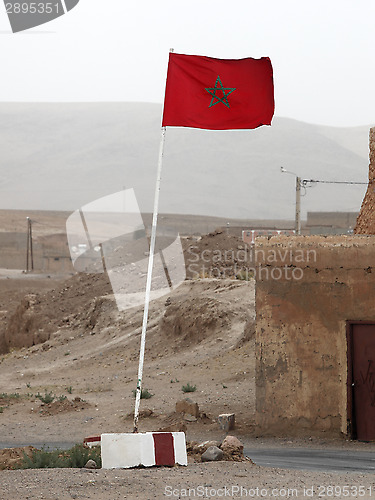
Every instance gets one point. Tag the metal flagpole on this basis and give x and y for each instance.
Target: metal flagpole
(28, 244)
(149, 281)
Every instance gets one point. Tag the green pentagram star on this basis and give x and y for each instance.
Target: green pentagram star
(219, 88)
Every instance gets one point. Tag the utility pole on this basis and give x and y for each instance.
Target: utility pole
(29, 247)
(306, 183)
(298, 205)
(298, 199)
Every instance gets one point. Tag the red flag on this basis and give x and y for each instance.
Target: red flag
(218, 94)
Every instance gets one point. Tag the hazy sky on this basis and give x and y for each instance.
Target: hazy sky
(323, 52)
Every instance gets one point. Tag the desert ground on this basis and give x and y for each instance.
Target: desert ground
(64, 335)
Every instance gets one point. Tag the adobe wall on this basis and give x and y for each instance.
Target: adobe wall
(366, 218)
(307, 287)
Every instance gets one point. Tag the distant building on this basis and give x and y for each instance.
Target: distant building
(249, 235)
(330, 222)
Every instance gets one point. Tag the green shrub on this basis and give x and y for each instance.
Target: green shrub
(145, 393)
(245, 275)
(76, 457)
(189, 388)
(79, 455)
(42, 459)
(47, 398)
(7, 397)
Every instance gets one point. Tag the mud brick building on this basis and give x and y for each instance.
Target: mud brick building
(304, 334)
(315, 330)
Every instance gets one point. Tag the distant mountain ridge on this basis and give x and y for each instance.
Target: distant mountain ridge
(57, 156)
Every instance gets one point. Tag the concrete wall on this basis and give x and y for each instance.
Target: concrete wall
(307, 288)
(330, 223)
(343, 220)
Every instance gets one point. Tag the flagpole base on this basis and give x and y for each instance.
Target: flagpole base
(149, 449)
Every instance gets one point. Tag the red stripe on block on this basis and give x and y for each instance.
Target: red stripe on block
(164, 448)
(92, 439)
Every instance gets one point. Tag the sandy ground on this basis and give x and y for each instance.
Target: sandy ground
(213, 480)
(201, 334)
(96, 359)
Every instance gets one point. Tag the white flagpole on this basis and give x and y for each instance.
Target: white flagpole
(149, 281)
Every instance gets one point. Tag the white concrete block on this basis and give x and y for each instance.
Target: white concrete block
(179, 442)
(122, 451)
(147, 449)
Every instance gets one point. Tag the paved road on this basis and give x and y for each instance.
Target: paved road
(285, 458)
(312, 459)
(46, 446)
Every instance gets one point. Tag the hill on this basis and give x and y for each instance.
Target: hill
(60, 156)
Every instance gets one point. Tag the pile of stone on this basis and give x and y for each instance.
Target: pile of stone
(230, 448)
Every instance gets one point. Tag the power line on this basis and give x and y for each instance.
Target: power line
(304, 184)
(307, 181)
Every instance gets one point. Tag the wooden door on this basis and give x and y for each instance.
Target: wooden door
(363, 380)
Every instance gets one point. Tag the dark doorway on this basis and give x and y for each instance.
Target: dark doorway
(361, 380)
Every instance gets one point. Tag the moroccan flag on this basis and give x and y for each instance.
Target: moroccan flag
(218, 94)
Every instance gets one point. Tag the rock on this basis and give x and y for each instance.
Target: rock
(231, 442)
(177, 427)
(212, 454)
(91, 464)
(145, 413)
(202, 447)
(190, 418)
(187, 406)
(231, 446)
(226, 421)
